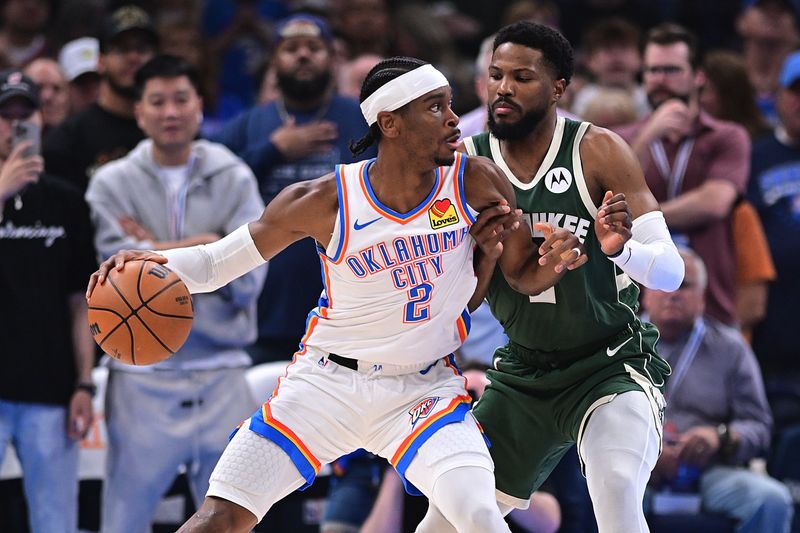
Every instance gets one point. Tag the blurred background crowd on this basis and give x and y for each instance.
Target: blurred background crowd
(272, 91)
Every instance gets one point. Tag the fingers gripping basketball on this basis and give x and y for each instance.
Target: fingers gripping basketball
(142, 314)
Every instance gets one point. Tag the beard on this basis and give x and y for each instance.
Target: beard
(519, 129)
(303, 90)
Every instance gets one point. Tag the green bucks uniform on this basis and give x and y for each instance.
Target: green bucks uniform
(571, 348)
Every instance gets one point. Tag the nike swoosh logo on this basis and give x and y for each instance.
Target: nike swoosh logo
(612, 353)
(357, 226)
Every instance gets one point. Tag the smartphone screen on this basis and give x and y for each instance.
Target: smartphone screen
(25, 130)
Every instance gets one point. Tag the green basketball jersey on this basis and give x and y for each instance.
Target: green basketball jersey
(588, 304)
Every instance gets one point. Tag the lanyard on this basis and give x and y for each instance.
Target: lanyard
(674, 175)
(687, 356)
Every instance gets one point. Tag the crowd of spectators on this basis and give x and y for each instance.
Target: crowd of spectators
(706, 93)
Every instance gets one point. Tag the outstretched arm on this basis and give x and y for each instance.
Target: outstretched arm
(642, 248)
(207, 267)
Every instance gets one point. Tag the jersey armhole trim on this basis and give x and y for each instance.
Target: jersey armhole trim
(341, 225)
(577, 168)
(466, 211)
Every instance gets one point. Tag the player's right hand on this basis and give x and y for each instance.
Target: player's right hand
(117, 262)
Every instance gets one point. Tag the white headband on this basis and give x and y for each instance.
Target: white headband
(402, 90)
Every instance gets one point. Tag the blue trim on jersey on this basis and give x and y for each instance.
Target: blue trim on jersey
(339, 173)
(452, 359)
(403, 216)
(261, 428)
(312, 313)
(462, 197)
(323, 296)
(458, 415)
(467, 319)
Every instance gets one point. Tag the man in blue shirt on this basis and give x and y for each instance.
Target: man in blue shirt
(774, 189)
(300, 136)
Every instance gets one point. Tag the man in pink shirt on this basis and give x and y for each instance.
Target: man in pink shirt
(696, 166)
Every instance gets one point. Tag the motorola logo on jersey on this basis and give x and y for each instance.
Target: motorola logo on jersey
(442, 213)
(558, 180)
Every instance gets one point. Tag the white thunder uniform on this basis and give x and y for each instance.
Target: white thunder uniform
(396, 287)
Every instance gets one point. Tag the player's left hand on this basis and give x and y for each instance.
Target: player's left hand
(613, 223)
(561, 247)
(698, 445)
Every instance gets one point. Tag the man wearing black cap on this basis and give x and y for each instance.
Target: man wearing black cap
(45, 255)
(301, 135)
(106, 130)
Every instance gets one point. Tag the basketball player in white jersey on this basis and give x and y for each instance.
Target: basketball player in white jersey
(375, 367)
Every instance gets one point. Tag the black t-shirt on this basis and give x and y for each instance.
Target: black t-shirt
(46, 255)
(82, 143)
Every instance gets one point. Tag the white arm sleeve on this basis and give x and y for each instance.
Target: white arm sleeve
(650, 257)
(207, 267)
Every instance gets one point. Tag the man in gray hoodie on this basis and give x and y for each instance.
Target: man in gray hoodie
(172, 190)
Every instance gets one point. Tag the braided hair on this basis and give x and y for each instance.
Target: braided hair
(380, 75)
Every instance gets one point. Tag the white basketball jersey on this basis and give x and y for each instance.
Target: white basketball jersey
(396, 285)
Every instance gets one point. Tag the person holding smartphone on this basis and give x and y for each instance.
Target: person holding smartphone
(46, 254)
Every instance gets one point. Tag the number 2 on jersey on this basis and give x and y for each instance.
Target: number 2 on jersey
(417, 308)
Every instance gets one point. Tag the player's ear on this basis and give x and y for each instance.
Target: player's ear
(559, 87)
(388, 124)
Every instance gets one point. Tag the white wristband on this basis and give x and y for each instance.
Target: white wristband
(208, 267)
(650, 257)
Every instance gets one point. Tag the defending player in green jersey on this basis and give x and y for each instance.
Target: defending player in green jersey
(579, 366)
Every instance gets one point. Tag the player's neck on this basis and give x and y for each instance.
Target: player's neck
(401, 187)
(529, 151)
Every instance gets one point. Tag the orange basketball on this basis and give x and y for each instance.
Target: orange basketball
(142, 314)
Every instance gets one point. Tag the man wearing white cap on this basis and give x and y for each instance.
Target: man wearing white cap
(107, 129)
(78, 60)
(375, 369)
